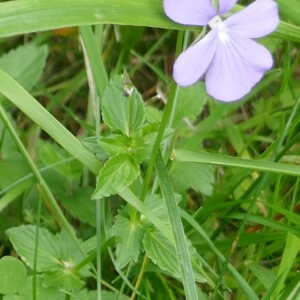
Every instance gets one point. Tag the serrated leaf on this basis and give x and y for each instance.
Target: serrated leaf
(25, 64)
(145, 139)
(129, 236)
(121, 110)
(199, 177)
(116, 174)
(12, 274)
(23, 240)
(160, 250)
(91, 143)
(115, 144)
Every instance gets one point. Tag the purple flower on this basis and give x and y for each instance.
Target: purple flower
(230, 60)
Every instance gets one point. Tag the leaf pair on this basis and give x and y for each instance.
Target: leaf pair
(133, 238)
(129, 142)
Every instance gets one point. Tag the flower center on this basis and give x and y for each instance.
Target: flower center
(216, 22)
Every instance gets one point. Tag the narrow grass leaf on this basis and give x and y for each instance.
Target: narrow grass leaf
(266, 222)
(295, 293)
(265, 276)
(240, 280)
(291, 250)
(19, 17)
(38, 114)
(229, 161)
(181, 247)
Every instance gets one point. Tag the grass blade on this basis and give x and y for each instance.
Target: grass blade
(229, 161)
(19, 17)
(188, 279)
(38, 114)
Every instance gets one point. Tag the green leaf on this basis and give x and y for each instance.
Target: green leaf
(158, 206)
(115, 144)
(199, 177)
(163, 253)
(116, 174)
(79, 205)
(54, 251)
(25, 64)
(12, 274)
(11, 297)
(144, 139)
(129, 236)
(122, 106)
(23, 240)
(42, 293)
(91, 143)
(189, 105)
(62, 278)
(92, 295)
(50, 154)
(290, 10)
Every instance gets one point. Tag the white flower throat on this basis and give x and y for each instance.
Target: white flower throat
(216, 22)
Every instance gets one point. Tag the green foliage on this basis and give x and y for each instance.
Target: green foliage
(129, 237)
(116, 174)
(25, 64)
(12, 274)
(221, 206)
(163, 253)
(56, 255)
(122, 106)
(187, 109)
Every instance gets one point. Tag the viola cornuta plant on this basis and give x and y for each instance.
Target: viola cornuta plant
(118, 182)
(231, 62)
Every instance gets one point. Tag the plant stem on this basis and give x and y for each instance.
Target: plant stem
(165, 120)
(140, 277)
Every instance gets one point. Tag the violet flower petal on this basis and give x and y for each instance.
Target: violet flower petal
(191, 64)
(189, 12)
(226, 5)
(237, 66)
(256, 20)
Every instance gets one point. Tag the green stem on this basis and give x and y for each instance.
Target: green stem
(34, 280)
(163, 125)
(98, 80)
